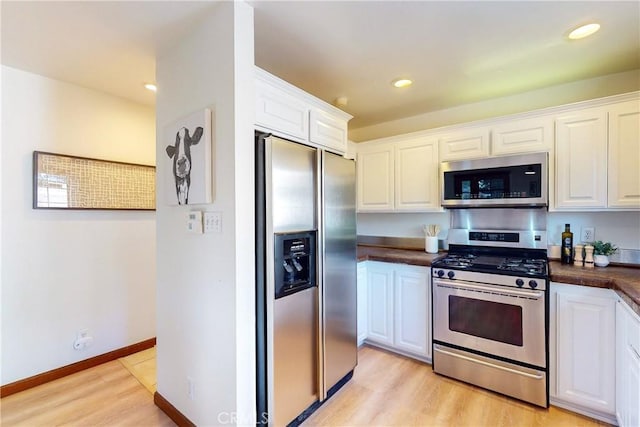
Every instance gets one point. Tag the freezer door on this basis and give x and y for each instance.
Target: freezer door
(293, 183)
(339, 268)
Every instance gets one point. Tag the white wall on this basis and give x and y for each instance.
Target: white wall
(621, 228)
(205, 321)
(68, 270)
(581, 90)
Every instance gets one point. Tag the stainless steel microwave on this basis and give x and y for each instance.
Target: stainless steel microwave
(508, 181)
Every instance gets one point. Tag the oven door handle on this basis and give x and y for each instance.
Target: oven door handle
(492, 289)
(491, 365)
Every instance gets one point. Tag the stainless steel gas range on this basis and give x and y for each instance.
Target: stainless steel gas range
(491, 303)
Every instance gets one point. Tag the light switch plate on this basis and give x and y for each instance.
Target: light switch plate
(194, 222)
(213, 222)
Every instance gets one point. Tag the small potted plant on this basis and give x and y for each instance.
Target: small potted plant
(601, 252)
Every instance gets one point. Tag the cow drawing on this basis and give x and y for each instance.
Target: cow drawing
(180, 152)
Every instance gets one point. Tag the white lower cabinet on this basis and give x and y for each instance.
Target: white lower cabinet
(398, 303)
(582, 350)
(627, 366)
(362, 301)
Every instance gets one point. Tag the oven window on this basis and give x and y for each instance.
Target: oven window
(486, 319)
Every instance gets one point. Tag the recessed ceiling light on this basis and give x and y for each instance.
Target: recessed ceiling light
(584, 31)
(151, 87)
(402, 82)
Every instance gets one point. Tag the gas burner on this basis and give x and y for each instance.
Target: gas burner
(494, 263)
(456, 264)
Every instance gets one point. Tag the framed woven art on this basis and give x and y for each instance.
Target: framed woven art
(69, 182)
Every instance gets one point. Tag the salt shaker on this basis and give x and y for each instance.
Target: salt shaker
(588, 259)
(578, 256)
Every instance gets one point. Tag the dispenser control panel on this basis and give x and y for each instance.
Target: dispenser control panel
(295, 262)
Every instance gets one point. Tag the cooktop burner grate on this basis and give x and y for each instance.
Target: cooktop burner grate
(498, 264)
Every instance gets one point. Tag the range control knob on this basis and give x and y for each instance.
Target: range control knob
(440, 273)
(520, 283)
(533, 284)
(450, 274)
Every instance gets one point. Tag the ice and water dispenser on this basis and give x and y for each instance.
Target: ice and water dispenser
(295, 262)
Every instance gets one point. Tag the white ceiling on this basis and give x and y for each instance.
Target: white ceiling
(457, 52)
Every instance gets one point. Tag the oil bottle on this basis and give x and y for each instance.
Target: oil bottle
(566, 256)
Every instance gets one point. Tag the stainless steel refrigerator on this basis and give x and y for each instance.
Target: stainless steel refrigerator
(305, 278)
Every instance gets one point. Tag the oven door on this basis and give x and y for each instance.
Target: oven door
(495, 320)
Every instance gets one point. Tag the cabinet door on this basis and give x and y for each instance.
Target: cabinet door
(410, 320)
(522, 136)
(627, 366)
(280, 111)
(622, 370)
(581, 160)
(624, 155)
(585, 347)
(375, 178)
(633, 389)
(465, 144)
(416, 176)
(380, 303)
(362, 301)
(328, 131)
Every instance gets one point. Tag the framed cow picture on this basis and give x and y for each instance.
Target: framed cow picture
(189, 160)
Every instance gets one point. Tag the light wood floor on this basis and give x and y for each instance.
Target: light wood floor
(390, 390)
(386, 390)
(106, 395)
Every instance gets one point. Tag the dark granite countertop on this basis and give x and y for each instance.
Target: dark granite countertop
(624, 280)
(399, 256)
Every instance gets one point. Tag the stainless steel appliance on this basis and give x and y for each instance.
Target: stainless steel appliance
(495, 182)
(305, 278)
(491, 303)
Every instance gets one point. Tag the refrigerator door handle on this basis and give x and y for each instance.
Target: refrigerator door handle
(322, 389)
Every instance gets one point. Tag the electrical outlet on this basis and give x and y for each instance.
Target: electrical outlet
(588, 234)
(83, 340)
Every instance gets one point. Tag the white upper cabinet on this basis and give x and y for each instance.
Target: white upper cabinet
(289, 112)
(416, 175)
(398, 175)
(374, 169)
(594, 157)
(275, 109)
(327, 130)
(522, 136)
(624, 155)
(465, 144)
(598, 158)
(581, 159)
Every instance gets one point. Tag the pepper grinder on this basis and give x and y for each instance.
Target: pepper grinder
(588, 259)
(578, 255)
